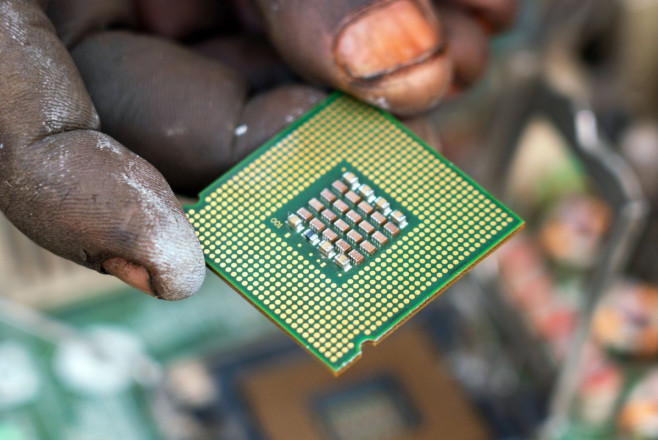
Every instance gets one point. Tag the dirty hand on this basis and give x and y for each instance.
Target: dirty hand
(101, 197)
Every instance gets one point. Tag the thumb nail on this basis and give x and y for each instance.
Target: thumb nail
(386, 38)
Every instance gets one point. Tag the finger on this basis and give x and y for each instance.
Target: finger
(178, 19)
(175, 108)
(193, 18)
(74, 19)
(93, 202)
(425, 129)
(268, 113)
(494, 15)
(468, 46)
(71, 189)
(253, 58)
(388, 53)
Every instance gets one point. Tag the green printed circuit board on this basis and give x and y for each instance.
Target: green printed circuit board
(344, 226)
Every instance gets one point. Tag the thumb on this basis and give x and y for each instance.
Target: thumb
(72, 189)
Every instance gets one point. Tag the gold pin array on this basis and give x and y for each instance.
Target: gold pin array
(234, 223)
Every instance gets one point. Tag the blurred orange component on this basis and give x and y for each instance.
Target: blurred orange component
(598, 393)
(638, 418)
(626, 321)
(574, 231)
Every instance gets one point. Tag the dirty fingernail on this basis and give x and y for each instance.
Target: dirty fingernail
(385, 38)
(130, 273)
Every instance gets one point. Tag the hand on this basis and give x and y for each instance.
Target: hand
(102, 197)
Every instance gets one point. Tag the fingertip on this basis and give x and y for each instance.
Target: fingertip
(171, 252)
(468, 47)
(183, 283)
(152, 244)
(179, 274)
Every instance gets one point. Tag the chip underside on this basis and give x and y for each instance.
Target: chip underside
(345, 225)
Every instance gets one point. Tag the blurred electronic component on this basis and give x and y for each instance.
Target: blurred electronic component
(368, 248)
(330, 235)
(106, 364)
(543, 170)
(399, 218)
(305, 214)
(295, 222)
(329, 215)
(382, 400)
(311, 236)
(353, 217)
(366, 227)
(626, 320)
(327, 196)
(343, 262)
(574, 229)
(365, 208)
(351, 179)
(378, 218)
(598, 393)
(342, 246)
(638, 419)
(20, 381)
(529, 285)
(341, 206)
(379, 238)
(316, 205)
(106, 380)
(342, 226)
(355, 256)
(354, 237)
(383, 205)
(367, 192)
(391, 229)
(340, 187)
(352, 197)
(317, 225)
(191, 384)
(326, 249)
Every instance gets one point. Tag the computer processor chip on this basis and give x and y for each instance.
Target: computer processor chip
(343, 226)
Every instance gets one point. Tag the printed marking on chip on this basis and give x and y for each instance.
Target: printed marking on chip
(284, 227)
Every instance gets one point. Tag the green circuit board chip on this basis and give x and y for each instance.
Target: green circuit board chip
(345, 225)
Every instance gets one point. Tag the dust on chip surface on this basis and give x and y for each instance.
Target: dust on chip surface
(303, 283)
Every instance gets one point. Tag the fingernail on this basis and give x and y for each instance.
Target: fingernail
(385, 38)
(130, 273)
